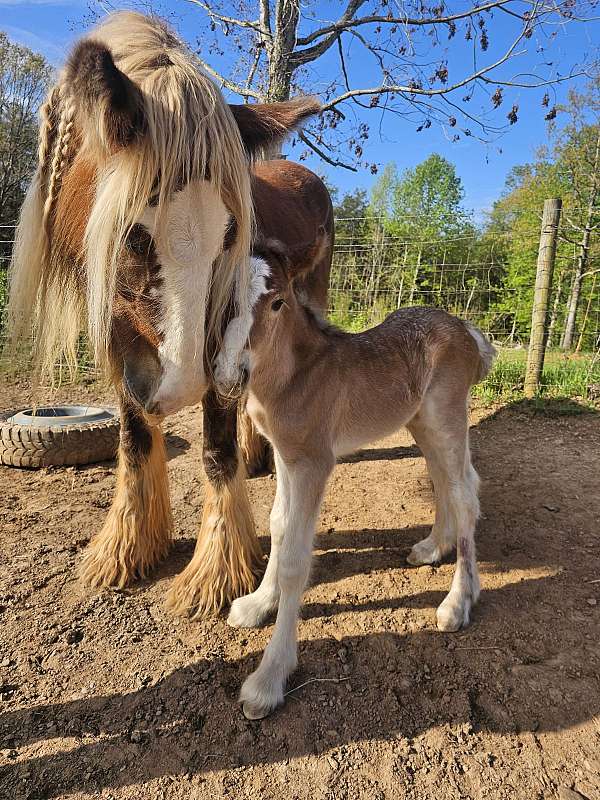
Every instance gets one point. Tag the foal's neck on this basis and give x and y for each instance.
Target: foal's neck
(300, 340)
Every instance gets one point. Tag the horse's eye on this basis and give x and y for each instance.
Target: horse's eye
(276, 304)
(139, 241)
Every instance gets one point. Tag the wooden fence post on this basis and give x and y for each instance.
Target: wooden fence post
(541, 298)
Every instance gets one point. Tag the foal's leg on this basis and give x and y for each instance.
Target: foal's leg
(263, 689)
(442, 539)
(442, 428)
(251, 610)
(227, 557)
(137, 532)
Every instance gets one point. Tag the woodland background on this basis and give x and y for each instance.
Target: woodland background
(411, 239)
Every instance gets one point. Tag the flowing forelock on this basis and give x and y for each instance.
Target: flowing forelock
(189, 134)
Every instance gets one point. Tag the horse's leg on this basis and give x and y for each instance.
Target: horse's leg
(442, 427)
(227, 557)
(263, 689)
(255, 449)
(137, 532)
(251, 610)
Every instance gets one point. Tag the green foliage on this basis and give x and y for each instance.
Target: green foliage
(24, 80)
(412, 244)
(563, 376)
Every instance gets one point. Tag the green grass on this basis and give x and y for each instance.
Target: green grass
(572, 376)
(576, 376)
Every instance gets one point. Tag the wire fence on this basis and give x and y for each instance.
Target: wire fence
(375, 272)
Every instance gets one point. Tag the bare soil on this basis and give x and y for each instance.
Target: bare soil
(105, 695)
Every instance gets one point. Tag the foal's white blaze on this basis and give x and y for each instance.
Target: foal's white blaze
(187, 245)
(234, 355)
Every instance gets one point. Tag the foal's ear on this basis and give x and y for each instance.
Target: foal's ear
(303, 257)
(274, 252)
(264, 125)
(109, 105)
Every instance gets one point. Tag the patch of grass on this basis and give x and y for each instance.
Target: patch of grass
(563, 377)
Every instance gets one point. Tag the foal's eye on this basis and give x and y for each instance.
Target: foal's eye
(276, 305)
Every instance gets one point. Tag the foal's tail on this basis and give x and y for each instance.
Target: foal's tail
(487, 351)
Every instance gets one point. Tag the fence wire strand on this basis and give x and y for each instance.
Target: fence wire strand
(375, 272)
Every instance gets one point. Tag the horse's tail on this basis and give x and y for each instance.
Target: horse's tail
(487, 352)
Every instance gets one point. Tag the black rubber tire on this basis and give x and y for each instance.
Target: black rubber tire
(38, 445)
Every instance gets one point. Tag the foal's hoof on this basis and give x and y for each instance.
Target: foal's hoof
(252, 711)
(250, 611)
(453, 614)
(262, 692)
(426, 552)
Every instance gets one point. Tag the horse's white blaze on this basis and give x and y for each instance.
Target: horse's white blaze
(187, 244)
(234, 354)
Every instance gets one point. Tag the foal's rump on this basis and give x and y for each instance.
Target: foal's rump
(487, 351)
(436, 342)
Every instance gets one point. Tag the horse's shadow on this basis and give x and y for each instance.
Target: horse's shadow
(529, 661)
(200, 728)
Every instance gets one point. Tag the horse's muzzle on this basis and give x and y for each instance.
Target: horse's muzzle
(141, 378)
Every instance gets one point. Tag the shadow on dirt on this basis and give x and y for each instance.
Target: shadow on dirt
(539, 674)
(529, 662)
(176, 445)
(381, 454)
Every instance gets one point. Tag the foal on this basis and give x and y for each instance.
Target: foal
(316, 393)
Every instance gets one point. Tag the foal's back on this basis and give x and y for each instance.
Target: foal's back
(386, 373)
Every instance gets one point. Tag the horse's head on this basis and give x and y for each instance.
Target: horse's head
(140, 213)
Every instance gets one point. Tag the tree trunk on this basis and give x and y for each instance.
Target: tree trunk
(555, 305)
(586, 315)
(415, 279)
(582, 258)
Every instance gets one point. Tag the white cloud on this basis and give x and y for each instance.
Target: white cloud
(55, 52)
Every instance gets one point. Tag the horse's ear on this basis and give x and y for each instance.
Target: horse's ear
(264, 125)
(108, 104)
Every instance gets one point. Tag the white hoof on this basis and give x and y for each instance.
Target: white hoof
(250, 611)
(427, 551)
(261, 694)
(453, 613)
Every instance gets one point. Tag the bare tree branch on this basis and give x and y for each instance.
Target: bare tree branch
(344, 23)
(311, 53)
(240, 23)
(323, 155)
(265, 17)
(416, 90)
(407, 48)
(233, 87)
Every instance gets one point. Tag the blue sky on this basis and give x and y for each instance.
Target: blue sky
(50, 27)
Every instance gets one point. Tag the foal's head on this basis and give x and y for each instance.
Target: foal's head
(140, 213)
(277, 318)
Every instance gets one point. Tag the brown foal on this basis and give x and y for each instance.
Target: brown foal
(316, 392)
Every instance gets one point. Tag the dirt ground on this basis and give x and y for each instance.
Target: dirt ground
(105, 695)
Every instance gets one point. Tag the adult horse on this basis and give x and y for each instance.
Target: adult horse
(137, 226)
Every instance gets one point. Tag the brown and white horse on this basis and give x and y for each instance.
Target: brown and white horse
(316, 393)
(137, 227)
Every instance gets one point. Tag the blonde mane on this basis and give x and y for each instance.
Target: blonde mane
(190, 134)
